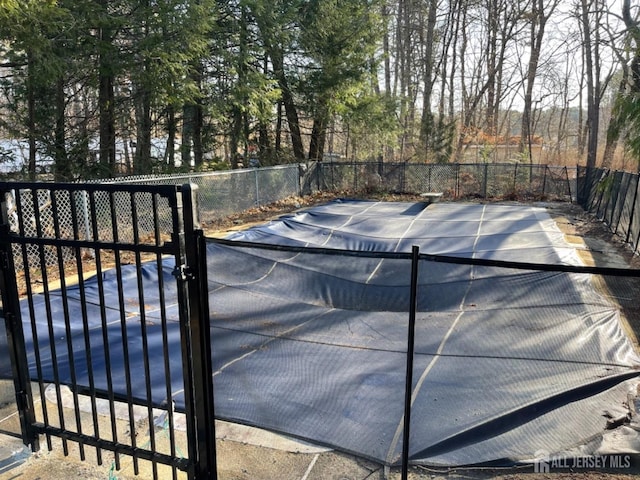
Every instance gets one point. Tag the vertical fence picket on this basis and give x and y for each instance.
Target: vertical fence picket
(143, 332)
(53, 350)
(566, 173)
(97, 255)
(70, 351)
(633, 209)
(411, 333)
(84, 314)
(164, 322)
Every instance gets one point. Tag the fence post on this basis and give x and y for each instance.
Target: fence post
(486, 179)
(196, 343)
(592, 190)
(566, 174)
(620, 201)
(355, 177)
(613, 199)
(403, 181)
(580, 187)
(633, 208)
(14, 332)
(415, 256)
(602, 195)
(255, 174)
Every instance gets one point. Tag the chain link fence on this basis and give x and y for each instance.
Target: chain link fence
(125, 217)
(455, 181)
(224, 193)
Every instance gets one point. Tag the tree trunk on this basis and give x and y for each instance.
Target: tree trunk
(63, 170)
(264, 142)
(461, 21)
(289, 105)
(188, 125)
(318, 135)
(197, 120)
(492, 66)
(142, 164)
(198, 128)
(234, 138)
(613, 130)
(593, 114)
(172, 131)
(426, 124)
(278, 141)
(106, 101)
(538, 23)
(386, 51)
(31, 119)
(633, 27)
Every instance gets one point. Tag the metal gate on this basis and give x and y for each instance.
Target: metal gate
(94, 365)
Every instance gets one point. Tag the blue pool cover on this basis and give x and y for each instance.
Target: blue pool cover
(508, 362)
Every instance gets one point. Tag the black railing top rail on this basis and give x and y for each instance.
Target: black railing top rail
(89, 187)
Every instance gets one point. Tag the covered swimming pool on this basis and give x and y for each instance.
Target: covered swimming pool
(309, 317)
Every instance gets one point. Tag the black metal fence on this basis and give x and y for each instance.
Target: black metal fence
(71, 361)
(612, 196)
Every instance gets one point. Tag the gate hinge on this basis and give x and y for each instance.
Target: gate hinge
(10, 319)
(4, 261)
(22, 400)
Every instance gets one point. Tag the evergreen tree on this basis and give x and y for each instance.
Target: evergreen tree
(339, 39)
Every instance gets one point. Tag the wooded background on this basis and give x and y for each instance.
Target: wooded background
(97, 88)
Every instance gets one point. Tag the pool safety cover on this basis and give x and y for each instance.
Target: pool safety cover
(509, 363)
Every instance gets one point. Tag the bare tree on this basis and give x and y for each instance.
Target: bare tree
(633, 28)
(538, 20)
(614, 128)
(486, 85)
(406, 69)
(589, 15)
(428, 73)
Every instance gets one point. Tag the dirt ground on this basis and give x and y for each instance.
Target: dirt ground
(239, 456)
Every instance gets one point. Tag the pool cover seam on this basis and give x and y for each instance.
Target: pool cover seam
(425, 353)
(427, 370)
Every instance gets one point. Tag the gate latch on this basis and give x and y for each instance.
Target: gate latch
(183, 272)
